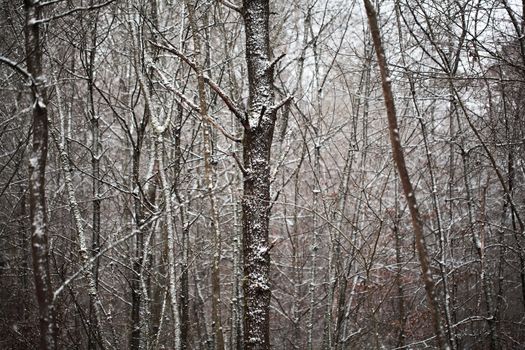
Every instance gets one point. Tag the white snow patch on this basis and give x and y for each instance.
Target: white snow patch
(33, 162)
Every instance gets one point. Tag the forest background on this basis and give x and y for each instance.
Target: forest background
(304, 174)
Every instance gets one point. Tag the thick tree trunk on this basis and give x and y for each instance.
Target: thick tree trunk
(256, 213)
(257, 141)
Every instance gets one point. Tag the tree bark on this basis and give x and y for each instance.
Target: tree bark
(90, 53)
(37, 179)
(399, 159)
(257, 141)
(209, 174)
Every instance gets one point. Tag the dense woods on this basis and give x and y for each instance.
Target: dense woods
(304, 174)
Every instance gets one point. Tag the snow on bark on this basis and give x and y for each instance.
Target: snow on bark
(172, 281)
(94, 300)
(257, 142)
(37, 171)
(158, 130)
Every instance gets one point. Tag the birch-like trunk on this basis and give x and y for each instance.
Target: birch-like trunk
(159, 126)
(95, 338)
(90, 53)
(209, 183)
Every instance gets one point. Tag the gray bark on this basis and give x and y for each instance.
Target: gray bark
(37, 178)
(257, 141)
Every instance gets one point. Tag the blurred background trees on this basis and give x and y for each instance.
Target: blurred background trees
(202, 174)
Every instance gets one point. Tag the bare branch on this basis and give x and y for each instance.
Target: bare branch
(226, 99)
(50, 2)
(244, 171)
(183, 97)
(103, 251)
(283, 102)
(15, 66)
(231, 6)
(221, 129)
(70, 12)
(193, 106)
(275, 61)
(213, 85)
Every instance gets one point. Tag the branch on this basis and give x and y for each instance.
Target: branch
(176, 52)
(51, 2)
(275, 61)
(283, 102)
(226, 99)
(17, 68)
(286, 181)
(195, 107)
(221, 129)
(67, 13)
(213, 85)
(184, 98)
(90, 262)
(231, 6)
(244, 171)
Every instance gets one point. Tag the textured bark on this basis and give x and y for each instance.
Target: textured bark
(37, 171)
(139, 336)
(138, 258)
(399, 159)
(184, 295)
(90, 52)
(314, 248)
(256, 212)
(257, 141)
(237, 340)
(209, 183)
(94, 332)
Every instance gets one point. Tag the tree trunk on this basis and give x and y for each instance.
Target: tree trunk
(399, 159)
(257, 141)
(96, 153)
(37, 180)
(209, 174)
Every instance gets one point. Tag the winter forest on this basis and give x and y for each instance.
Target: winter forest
(255, 174)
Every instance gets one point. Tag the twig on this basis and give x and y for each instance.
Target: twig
(70, 12)
(196, 108)
(214, 86)
(283, 102)
(244, 171)
(275, 61)
(231, 6)
(15, 66)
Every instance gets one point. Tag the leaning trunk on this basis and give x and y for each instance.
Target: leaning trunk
(399, 159)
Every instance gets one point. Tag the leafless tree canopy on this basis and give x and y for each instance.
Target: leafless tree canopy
(254, 174)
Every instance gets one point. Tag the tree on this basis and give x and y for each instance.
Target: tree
(181, 164)
(259, 125)
(37, 175)
(399, 159)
